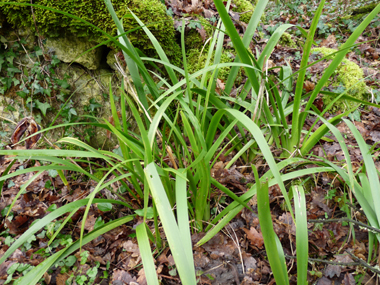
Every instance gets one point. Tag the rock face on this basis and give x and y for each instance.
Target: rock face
(72, 49)
(48, 23)
(88, 81)
(9, 115)
(87, 87)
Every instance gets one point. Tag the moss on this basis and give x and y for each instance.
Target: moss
(51, 24)
(365, 9)
(193, 39)
(244, 6)
(196, 62)
(349, 75)
(286, 40)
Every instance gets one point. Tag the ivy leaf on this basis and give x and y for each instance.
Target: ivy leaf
(149, 214)
(94, 105)
(105, 207)
(53, 173)
(42, 106)
(13, 69)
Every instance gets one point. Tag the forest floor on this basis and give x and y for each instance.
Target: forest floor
(338, 248)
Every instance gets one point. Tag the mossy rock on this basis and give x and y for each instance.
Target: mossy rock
(348, 74)
(52, 24)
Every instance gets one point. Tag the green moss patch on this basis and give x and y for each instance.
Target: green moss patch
(197, 61)
(350, 76)
(286, 40)
(52, 24)
(244, 6)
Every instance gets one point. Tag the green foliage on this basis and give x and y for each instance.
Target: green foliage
(198, 130)
(52, 24)
(36, 83)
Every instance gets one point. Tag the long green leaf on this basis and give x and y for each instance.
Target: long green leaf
(237, 42)
(247, 38)
(296, 126)
(274, 252)
(267, 153)
(370, 167)
(47, 219)
(146, 254)
(170, 225)
(302, 243)
(183, 217)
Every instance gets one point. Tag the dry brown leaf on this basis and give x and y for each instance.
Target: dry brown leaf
(123, 276)
(254, 237)
(27, 126)
(90, 222)
(308, 86)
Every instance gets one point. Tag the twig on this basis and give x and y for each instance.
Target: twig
(327, 261)
(363, 263)
(346, 220)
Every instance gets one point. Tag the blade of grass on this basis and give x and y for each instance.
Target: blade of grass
(183, 217)
(274, 251)
(22, 189)
(237, 42)
(146, 254)
(247, 38)
(259, 138)
(5, 173)
(158, 48)
(296, 125)
(170, 225)
(47, 219)
(302, 243)
(370, 167)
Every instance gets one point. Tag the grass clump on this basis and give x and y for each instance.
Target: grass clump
(171, 171)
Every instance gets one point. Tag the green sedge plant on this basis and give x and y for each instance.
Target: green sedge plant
(142, 161)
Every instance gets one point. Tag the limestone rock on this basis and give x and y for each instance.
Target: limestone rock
(111, 61)
(87, 85)
(8, 116)
(68, 48)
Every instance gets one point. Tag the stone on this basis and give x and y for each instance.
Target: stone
(70, 48)
(87, 85)
(111, 61)
(9, 118)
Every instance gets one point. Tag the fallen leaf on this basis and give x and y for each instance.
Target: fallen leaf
(29, 127)
(254, 237)
(90, 222)
(332, 270)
